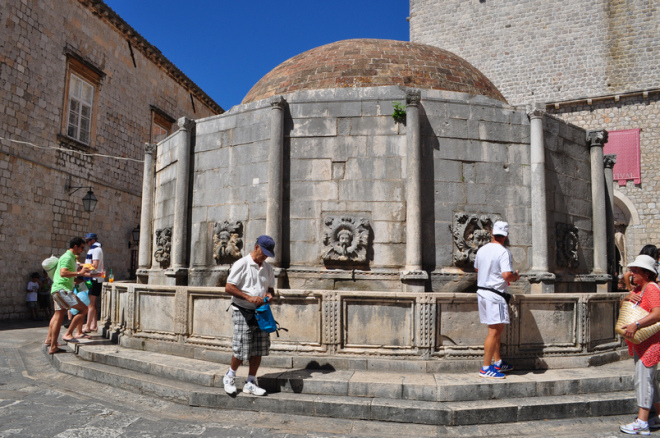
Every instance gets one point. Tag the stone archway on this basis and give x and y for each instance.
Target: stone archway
(626, 224)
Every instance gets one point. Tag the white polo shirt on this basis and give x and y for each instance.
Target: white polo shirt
(246, 275)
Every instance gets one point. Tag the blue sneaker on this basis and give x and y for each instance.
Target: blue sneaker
(491, 373)
(503, 367)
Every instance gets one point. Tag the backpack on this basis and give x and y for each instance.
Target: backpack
(50, 265)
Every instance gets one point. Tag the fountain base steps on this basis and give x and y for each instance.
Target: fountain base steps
(423, 398)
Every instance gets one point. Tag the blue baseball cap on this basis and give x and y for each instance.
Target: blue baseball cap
(267, 245)
(90, 236)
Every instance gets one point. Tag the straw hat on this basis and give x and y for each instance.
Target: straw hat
(644, 262)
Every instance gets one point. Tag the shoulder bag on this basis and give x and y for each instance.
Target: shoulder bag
(630, 313)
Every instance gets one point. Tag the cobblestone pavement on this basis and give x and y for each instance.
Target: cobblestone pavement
(38, 401)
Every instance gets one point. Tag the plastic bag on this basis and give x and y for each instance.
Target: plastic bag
(50, 265)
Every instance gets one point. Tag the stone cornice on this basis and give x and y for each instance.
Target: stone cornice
(103, 11)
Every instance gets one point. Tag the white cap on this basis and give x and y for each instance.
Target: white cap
(500, 228)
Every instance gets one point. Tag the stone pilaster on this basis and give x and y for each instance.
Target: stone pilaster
(179, 230)
(609, 162)
(275, 178)
(413, 277)
(146, 216)
(596, 139)
(540, 265)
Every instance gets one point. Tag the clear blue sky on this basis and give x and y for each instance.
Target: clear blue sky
(226, 46)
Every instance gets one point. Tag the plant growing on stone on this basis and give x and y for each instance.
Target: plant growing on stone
(399, 114)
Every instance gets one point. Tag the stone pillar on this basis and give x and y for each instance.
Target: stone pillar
(610, 161)
(275, 179)
(541, 280)
(596, 139)
(146, 216)
(413, 277)
(179, 230)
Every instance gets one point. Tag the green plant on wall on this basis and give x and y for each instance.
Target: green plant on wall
(399, 114)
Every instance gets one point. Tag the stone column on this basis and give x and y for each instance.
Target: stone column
(610, 161)
(595, 140)
(146, 216)
(275, 178)
(541, 280)
(179, 230)
(413, 277)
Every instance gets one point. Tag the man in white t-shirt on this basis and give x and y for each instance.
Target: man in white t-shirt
(95, 258)
(250, 280)
(494, 273)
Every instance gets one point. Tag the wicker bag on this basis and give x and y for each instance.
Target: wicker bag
(630, 313)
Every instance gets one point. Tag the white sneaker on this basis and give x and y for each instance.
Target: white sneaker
(635, 428)
(252, 388)
(230, 385)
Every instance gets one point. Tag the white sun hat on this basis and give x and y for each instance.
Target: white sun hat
(644, 262)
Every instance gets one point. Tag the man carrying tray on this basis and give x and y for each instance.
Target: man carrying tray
(250, 280)
(64, 298)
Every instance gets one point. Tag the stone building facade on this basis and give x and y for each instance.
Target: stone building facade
(593, 63)
(76, 79)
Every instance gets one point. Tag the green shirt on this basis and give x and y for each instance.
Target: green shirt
(68, 260)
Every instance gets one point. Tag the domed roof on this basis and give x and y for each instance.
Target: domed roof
(373, 63)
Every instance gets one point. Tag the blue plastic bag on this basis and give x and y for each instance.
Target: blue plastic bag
(81, 292)
(265, 318)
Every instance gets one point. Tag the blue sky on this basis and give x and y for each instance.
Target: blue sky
(226, 46)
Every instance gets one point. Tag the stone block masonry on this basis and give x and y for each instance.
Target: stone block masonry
(538, 50)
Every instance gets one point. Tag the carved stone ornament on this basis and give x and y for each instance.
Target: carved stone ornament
(609, 161)
(471, 232)
(227, 242)
(345, 240)
(567, 245)
(597, 137)
(163, 246)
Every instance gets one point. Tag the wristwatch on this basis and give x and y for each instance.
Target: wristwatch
(637, 322)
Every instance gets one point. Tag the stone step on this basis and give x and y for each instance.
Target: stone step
(346, 406)
(438, 387)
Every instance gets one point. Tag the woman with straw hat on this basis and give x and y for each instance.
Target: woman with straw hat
(647, 353)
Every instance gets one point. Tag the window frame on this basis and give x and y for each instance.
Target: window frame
(162, 120)
(90, 75)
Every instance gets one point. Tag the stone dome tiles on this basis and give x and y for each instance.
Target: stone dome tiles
(372, 63)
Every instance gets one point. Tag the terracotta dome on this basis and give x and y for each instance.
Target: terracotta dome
(373, 63)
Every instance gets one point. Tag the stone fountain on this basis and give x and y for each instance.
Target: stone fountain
(376, 220)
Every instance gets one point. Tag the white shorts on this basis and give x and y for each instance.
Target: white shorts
(493, 312)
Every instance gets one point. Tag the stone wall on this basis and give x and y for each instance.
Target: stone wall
(628, 113)
(420, 332)
(547, 50)
(568, 187)
(37, 215)
(345, 167)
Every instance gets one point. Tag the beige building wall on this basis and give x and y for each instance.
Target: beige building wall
(39, 43)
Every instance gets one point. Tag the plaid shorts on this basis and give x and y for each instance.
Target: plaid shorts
(248, 341)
